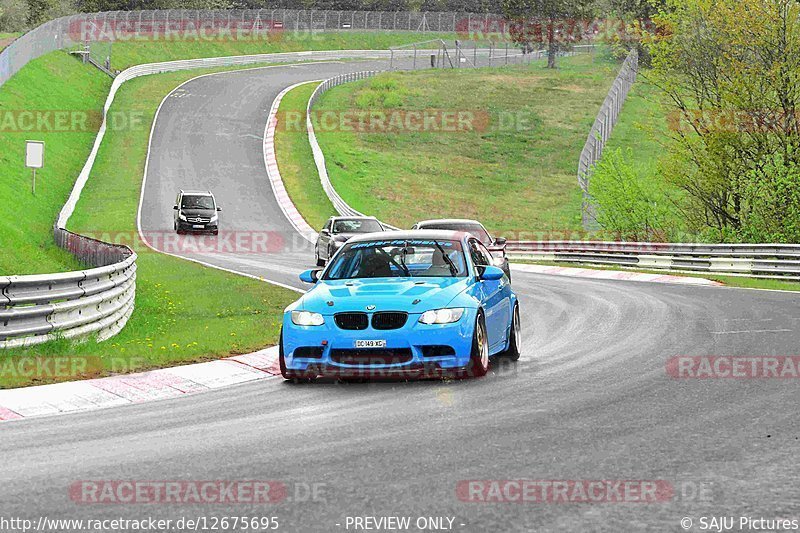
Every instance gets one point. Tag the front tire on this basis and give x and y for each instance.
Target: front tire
(288, 375)
(479, 356)
(512, 353)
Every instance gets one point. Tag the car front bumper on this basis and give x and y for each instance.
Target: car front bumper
(190, 226)
(415, 350)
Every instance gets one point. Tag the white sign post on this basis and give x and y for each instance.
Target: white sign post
(34, 158)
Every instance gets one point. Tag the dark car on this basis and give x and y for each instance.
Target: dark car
(196, 211)
(336, 232)
(496, 246)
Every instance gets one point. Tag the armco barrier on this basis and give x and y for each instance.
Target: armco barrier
(98, 301)
(756, 260)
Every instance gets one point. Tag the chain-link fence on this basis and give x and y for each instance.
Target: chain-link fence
(601, 131)
(224, 24)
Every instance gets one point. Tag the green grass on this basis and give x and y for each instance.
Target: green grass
(128, 53)
(7, 38)
(26, 237)
(510, 178)
(295, 160)
(730, 281)
(182, 314)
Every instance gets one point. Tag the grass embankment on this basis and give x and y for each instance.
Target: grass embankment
(26, 236)
(184, 312)
(295, 160)
(128, 53)
(518, 173)
(641, 124)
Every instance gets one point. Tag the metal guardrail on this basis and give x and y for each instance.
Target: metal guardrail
(78, 29)
(341, 206)
(755, 260)
(601, 130)
(99, 301)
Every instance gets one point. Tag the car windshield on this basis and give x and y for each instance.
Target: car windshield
(399, 258)
(475, 229)
(197, 202)
(356, 226)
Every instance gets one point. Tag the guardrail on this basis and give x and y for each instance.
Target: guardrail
(99, 301)
(601, 130)
(755, 260)
(342, 207)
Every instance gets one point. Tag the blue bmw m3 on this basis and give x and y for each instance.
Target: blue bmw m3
(402, 303)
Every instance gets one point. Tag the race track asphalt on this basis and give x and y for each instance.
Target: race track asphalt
(589, 400)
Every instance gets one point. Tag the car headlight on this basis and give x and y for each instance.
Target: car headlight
(498, 254)
(182, 217)
(442, 316)
(214, 218)
(307, 318)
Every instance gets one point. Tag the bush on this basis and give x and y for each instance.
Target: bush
(13, 16)
(635, 207)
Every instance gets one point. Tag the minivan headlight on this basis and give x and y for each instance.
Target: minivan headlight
(214, 218)
(442, 316)
(307, 318)
(182, 216)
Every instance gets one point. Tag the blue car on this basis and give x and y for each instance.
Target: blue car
(402, 303)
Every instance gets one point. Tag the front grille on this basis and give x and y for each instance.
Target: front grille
(389, 320)
(351, 320)
(437, 351)
(308, 352)
(198, 220)
(371, 356)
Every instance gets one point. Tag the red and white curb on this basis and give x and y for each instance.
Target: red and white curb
(612, 274)
(275, 180)
(114, 391)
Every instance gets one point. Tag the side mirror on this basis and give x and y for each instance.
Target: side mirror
(325, 231)
(311, 276)
(219, 208)
(500, 241)
(490, 273)
(175, 207)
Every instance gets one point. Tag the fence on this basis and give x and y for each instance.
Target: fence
(601, 131)
(169, 24)
(757, 260)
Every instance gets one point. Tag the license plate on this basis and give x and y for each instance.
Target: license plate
(371, 344)
(198, 226)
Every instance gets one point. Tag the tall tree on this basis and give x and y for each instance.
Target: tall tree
(554, 23)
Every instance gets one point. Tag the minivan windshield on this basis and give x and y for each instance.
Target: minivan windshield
(416, 258)
(196, 201)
